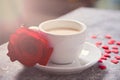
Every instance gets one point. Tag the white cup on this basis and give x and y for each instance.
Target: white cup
(66, 47)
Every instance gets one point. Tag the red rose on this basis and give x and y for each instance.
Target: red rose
(29, 47)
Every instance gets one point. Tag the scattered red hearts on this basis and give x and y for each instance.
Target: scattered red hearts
(112, 46)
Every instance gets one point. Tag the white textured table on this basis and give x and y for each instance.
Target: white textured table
(98, 21)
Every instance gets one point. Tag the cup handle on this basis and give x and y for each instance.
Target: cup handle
(35, 28)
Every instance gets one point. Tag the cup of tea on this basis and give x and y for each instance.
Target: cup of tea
(66, 37)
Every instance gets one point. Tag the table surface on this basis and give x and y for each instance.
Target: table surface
(99, 22)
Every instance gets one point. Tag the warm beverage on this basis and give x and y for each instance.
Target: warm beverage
(63, 31)
(66, 37)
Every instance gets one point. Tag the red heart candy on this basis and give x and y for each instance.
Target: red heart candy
(106, 55)
(102, 67)
(118, 43)
(112, 41)
(114, 61)
(114, 47)
(94, 36)
(105, 47)
(117, 57)
(107, 51)
(103, 58)
(100, 61)
(115, 51)
(108, 36)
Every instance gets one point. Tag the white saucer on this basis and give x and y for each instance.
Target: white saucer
(88, 57)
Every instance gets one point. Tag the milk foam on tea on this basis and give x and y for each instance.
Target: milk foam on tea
(63, 31)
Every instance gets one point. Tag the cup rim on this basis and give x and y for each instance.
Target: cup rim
(81, 23)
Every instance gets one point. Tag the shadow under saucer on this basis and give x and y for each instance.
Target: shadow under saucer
(34, 73)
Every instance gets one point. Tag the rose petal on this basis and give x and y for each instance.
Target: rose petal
(12, 56)
(45, 58)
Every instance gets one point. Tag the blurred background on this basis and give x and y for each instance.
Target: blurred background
(14, 13)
